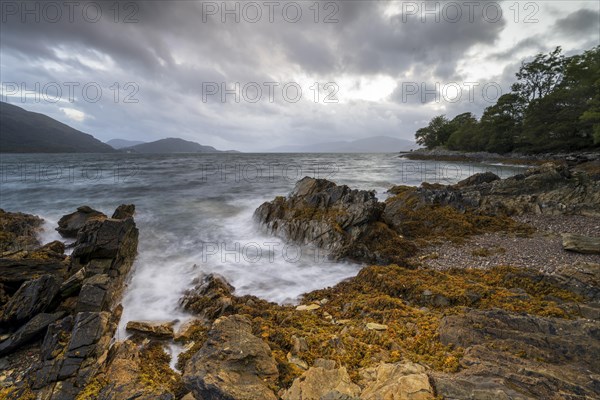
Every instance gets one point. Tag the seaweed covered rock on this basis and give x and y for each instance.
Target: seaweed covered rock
(70, 224)
(210, 298)
(18, 231)
(547, 189)
(343, 221)
(232, 364)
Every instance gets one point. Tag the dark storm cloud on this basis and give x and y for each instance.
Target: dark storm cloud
(580, 22)
(170, 49)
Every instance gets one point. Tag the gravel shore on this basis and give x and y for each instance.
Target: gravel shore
(542, 251)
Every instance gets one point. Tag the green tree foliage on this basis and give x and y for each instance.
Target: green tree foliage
(435, 134)
(554, 106)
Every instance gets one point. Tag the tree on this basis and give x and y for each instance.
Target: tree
(539, 77)
(466, 134)
(435, 134)
(501, 124)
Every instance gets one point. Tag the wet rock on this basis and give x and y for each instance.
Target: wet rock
(407, 381)
(232, 364)
(124, 211)
(324, 381)
(33, 297)
(70, 225)
(345, 223)
(153, 329)
(31, 330)
(105, 239)
(210, 298)
(581, 244)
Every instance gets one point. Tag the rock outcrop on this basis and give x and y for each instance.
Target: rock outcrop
(70, 312)
(344, 222)
(70, 224)
(516, 356)
(232, 364)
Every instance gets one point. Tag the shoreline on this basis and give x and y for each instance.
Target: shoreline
(572, 158)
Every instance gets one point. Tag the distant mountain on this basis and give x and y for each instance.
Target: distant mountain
(23, 131)
(374, 144)
(172, 145)
(122, 143)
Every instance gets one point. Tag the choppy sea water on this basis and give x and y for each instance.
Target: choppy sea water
(194, 213)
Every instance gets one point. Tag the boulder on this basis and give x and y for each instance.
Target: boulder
(210, 298)
(581, 244)
(401, 381)
(70, 224)
(152, 329)
(232, 364)
(33, 297)
(322, 381)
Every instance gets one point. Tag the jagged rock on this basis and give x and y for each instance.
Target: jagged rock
(69, 225)
(72, 286)
(344, 222)
(210, 298)
(124, 211)
(502, 353)
(33, 297)
(322, 381)
(33, 328)
(402, 381)
(93, 295)
(152, 329)
(105, 239)
(581, 244)
(548, 189)
(232, 364)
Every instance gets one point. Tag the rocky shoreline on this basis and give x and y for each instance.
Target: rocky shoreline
(410, 325)
(587, 160)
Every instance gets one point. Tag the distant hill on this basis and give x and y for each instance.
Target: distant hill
(171, 145)
(374, 144)
(23, 131)
(122, 143)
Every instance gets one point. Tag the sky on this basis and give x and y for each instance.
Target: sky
(255, 75)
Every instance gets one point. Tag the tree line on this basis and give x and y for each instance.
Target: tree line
(553, 106)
